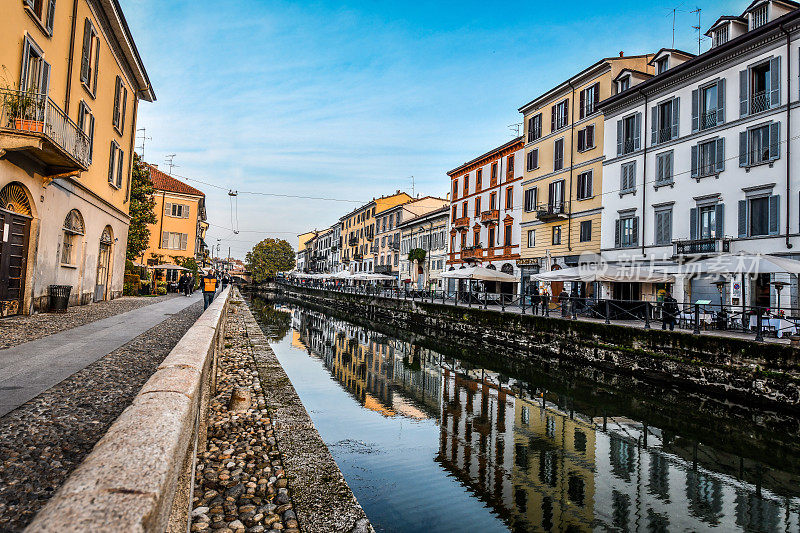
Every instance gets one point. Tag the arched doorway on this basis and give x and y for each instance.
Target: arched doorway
(15, 226)
(103, 258)
(556, 286)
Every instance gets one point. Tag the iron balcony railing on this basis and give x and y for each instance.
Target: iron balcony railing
(708, 119)
(628, 146)
(759, 102)
(551, 211)
(462, 222)
(490, 215)
(664, 135)
(701, 246)
(394, 245)
(35, 113)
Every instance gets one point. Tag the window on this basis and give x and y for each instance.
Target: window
(589, 99)
(37, 8)
(507, 233)
(760, 144)
(120, 104)
(624, 83)
(558, 154)
(627, 177)
(664, 164)
(629, 134)
(478, 180)
(758, 17)
(86, 125)
(760, 87)
(530, 199)
(494, 174)
(35, 70)
(586, 231)
(531, 238)
(708, 106)
(759, 215)
(556, 196)
(463, 240)
(534, 127)
(176, 210)
(533, 159)
(560, 115)
(72, 232)
(662, 65)
(708, 158)
(490, 241)
(721, 36)
(90, 57)
(586, 138)
(466, 184)
(556, 235)
(477, 205)
(455, 215)
(708, 222)
(584, 185)
(391, 220)
(464, 209)
(663, 227)
(173, 241)
(509, 198)
(665, 121)
(626, 234)
(476, 237)
(493, 201)
(455, 189)
(510, 167)
(115, 165)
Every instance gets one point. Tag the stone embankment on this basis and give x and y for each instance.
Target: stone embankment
(731, 368)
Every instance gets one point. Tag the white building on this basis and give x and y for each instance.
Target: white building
(426, 232)
(700, 157)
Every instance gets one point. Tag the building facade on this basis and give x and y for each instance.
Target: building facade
(304, 247)
(699, 159)
(180, 226)
(428, 232)
(67, 129)
(486, 209)
(358, 232)
(563, 169)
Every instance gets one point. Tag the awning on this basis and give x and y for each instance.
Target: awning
(344, 274)
(633, 273)
(744, 264)
(478, 273)
(370, 276)
(166, 266)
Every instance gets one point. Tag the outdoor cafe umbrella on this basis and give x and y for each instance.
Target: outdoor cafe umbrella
(478, 273)
(637, 273)
(369, 276)
(166, 266)
(745, 263)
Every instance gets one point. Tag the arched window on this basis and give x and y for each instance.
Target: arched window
(507, 268)
(73, 230)
(108, 235)
(14, 199)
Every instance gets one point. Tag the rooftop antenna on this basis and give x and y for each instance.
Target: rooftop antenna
(674, 10)
(145, 138)
(515, 128)
(170, 162)
(699, 36)
(412, 187)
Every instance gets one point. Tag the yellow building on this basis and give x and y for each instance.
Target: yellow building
(563, 163)
(71, 80)
(303, 257)
(358, 232)
(180, 220)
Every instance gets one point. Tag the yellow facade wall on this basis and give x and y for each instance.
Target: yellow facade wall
(165, 222)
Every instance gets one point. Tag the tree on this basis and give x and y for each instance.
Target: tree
(269, 257)
(142, 209)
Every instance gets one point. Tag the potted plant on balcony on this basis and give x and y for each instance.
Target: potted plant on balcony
(23, 108)
(417, 254)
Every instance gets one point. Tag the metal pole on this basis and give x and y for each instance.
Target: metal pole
(607, 312)
(647, 315)
(759, 332)
(696, 330)
(574, 309)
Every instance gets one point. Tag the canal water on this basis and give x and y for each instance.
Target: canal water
(432, 441)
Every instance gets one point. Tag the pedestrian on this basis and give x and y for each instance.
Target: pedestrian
(209, 283)
(545, 300)
(563, 299)
(188, 285)
(669, 312)
(535, 299)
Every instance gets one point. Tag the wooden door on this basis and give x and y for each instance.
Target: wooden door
(102, 272)
(14, 237)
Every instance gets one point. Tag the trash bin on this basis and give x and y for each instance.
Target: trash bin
(59, 298)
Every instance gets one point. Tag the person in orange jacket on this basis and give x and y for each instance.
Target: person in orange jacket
(209, 285)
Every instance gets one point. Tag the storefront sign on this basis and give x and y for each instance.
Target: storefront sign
(528, 262)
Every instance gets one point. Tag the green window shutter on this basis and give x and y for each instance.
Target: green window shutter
(721, 101)
(720, 154)
(774, 214)
(744, 92)
(87, 48)
(695, 161)
(719, 217)
(775, 81)
(774, 141)
(619, 138)
(742, 223)
(676, 114)
(743, 153)
(693, 223)
(695, 110)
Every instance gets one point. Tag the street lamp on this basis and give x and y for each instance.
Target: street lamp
(779, 285)
(722, 316)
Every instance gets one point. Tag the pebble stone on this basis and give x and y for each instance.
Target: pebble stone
(239, 482)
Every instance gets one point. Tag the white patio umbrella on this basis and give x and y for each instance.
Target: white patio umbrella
(344, 274)
(478, 273)
(638, 273)
(167, 266)
(745, 263)
(369, 276)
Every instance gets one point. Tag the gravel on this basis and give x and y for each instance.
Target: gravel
(19, 329)
(43, 441)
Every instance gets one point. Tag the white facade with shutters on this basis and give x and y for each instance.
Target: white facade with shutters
(696, 157)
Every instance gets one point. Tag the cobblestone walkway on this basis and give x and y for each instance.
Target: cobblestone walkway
(43, 441)
(240, 484)
(16, 330)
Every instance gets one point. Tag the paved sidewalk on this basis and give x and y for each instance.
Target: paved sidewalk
(28, 369)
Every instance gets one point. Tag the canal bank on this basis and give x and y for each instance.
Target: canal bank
(730, 368)
(413, 422)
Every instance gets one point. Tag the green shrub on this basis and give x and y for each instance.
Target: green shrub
(129, 289)
(161, 291)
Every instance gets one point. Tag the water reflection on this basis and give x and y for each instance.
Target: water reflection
(538, 462)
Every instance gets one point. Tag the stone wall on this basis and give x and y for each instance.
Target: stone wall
(756, 373)
(139, 476)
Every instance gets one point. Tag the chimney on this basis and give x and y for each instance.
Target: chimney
(154, 165)
(621, 54)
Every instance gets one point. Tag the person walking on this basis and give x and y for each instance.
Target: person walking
(209, 284)
(189, 285)
(563, 299)
(669, 312)
(535, 299)
(182, 283)
(545, 300)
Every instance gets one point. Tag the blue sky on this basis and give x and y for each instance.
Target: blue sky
(347, 101)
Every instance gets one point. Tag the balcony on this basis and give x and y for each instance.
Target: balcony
(489, 216)
(462, 222)
(663, 135)
(700, 247)
(555, 211)
(628, 146)
(358, 256)
(353, 241)
(759, 102)
(473, 253)
(708, 119)
(33, 125)
(395, 246)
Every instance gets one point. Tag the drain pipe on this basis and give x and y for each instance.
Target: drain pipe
(644, 171)
(788, 130)
(571, 165)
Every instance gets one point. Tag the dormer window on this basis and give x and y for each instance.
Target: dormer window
(721, 36)
(662, 65)
(624, 83)
(758, 17)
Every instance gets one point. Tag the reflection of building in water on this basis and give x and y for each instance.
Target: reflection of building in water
(387, 376)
